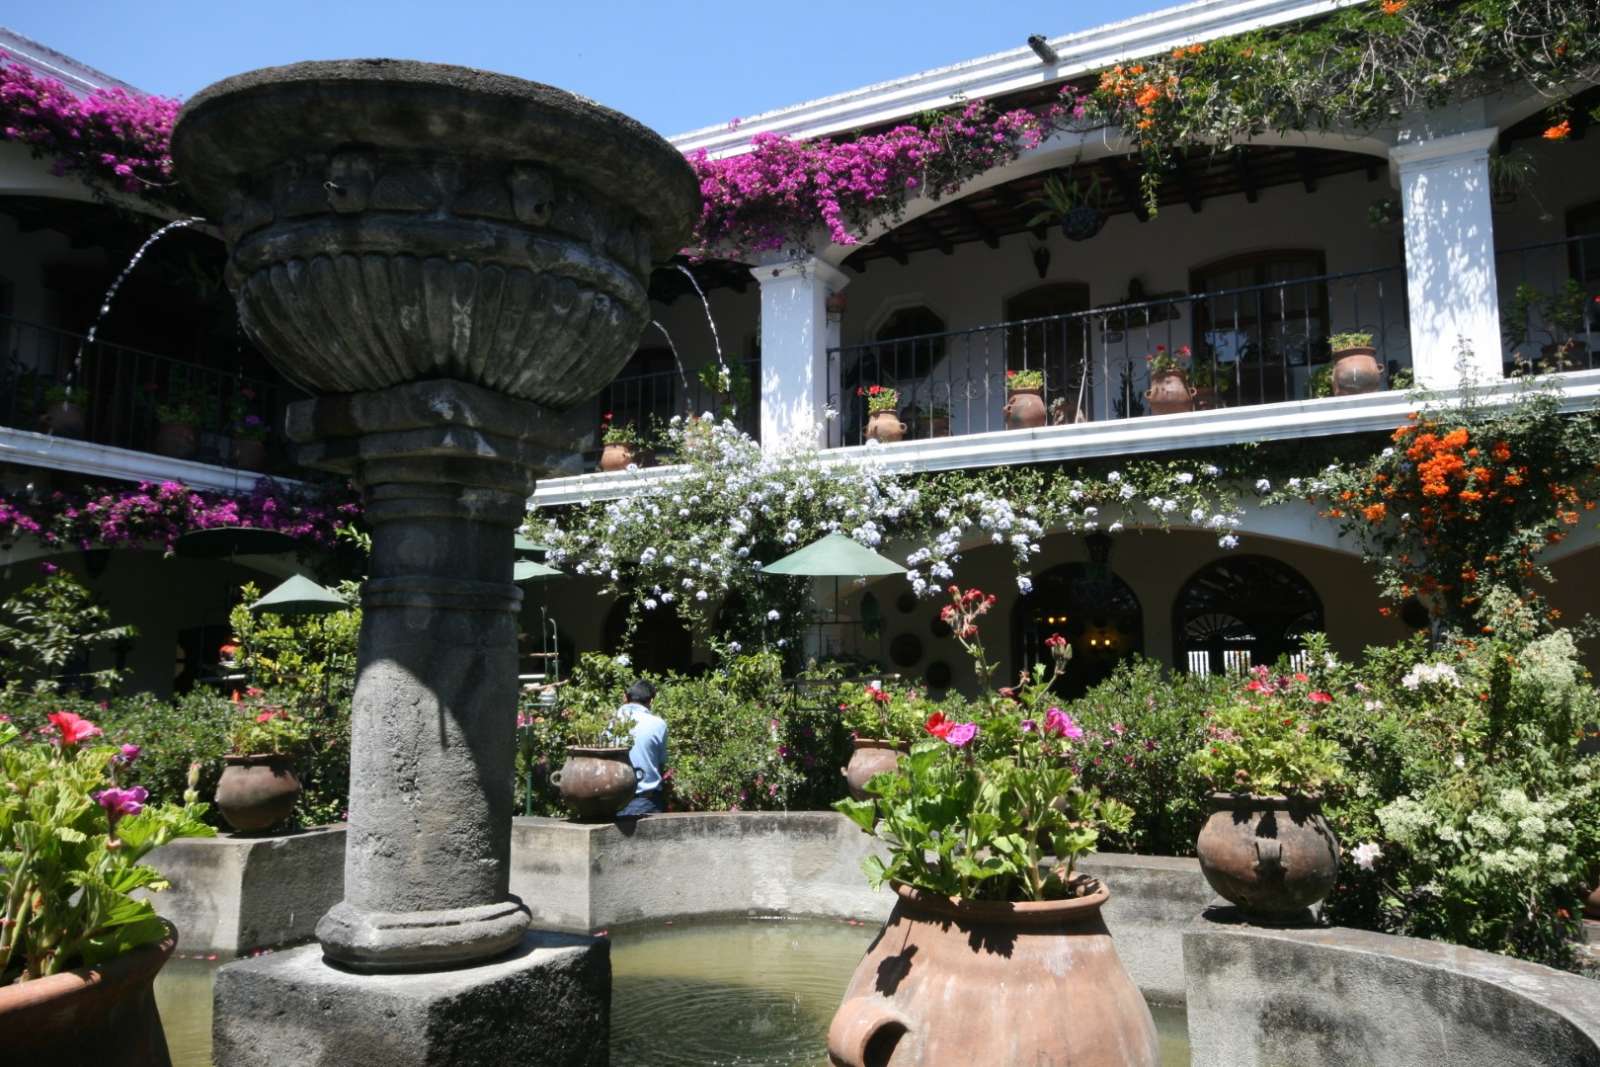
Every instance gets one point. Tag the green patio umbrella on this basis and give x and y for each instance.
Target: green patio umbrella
(528, 544)
(528, 570)
(835, 556)
(299, 595)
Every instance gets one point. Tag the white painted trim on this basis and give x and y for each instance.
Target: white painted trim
(1003, 72)
(73, 73)
(1444, 149)
(1331, 416)
(28, 449)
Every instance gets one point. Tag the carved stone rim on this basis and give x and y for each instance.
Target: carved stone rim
(251, 122)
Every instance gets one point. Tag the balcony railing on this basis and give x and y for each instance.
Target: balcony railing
(1257, 344)
(649, 401)
(1550, 304)
(133, 399)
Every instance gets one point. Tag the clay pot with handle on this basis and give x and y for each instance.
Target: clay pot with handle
(616, 457)
(1025, 409)
(1170, 393)
(257, 792)
(1037, 983)
(1273, 857)
(597, 781)
(885, 427)
(1356, 371)
(869, 756)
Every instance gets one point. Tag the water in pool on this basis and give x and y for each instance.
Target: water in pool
(723, 994)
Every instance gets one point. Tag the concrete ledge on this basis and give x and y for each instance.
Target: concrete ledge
(584, 877)
(1154, 899)
(233, 894)
(1263, 997)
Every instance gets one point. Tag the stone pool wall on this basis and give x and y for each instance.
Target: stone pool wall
(1323, 997)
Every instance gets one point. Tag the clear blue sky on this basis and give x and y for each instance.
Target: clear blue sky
(673, 64)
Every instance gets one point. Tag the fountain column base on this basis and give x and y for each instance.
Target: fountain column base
(547, 1002)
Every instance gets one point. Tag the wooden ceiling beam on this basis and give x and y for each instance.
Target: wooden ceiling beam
(1013, 201)
(892, 248)
(970, 219)
(1247, 175)
(1122, 178)
(1307, 163)
(1190, 193)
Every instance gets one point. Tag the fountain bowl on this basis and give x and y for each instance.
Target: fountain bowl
(391, 221)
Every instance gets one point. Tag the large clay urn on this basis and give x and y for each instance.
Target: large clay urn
(951, 982)
(1024, 409)
(445, 258)
(1355, 371)
(596, 782)
(869, 756)
(100, 1016)
(65, 419)
(1272, 857)
(885, 427)
(1169, 393)
(256, 793)
(176, 439)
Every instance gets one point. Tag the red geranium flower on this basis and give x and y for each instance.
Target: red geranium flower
(938, 725)
(73, 728)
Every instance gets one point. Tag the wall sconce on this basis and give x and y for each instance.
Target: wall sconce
(1041, 259)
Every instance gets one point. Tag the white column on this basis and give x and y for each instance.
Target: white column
(1450, 275)
(795, 338)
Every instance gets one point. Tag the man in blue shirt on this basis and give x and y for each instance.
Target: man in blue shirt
(649, 751)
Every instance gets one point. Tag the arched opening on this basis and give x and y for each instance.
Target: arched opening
(905, 349)
(660, 642)
(1258, 337)
(1241, 611)
(1091, 607)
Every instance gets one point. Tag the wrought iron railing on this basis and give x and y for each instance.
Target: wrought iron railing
(1550, 304)
(52, 381)
(1257, 344)
(648, 401)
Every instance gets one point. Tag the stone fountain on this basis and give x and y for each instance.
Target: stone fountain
(444, 258)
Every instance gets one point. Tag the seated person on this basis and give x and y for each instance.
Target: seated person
(649, 751)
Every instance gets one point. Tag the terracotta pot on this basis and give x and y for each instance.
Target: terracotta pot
(257, 792)
(65, 419)
(1024, 409)
(249, 453)
(1591, 903)
(1273, 857)
(885, 427)
(1205, 398)
(939, 426)
(1169, 393)
(596, 782)
(950, 982)
(102, 1015)
(616, 457)
(176, 439)
(869, 756)
(1356, 371)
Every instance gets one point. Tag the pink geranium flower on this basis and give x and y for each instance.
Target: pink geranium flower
(1060, 723)
(961, 733)
(120, 802)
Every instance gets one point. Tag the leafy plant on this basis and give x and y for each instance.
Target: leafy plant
(261, 728)
(971, 810)
(879, 398)
(1162, 361)
(1208, 374)
(49, 627)
(1267, 738)
(619, 433)
(184, 406)
(72, 833)
(1064, 195)
(1340, 342)
(1561, 315)
(876, 711)
(1024, 379)
(1320, 383)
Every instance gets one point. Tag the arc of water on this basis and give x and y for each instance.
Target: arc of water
(111, 293)
(716, 340)
(683, 375)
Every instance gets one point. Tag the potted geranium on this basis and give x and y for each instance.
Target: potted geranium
(248, 432)
(258, 786)
(1355, 364)
(1212, 385)
(620, 443)
(882, 725)
(1563, 316)
(64, 406)
(81, 942)
(883, 418)
(963, 823)
(597, 780)
(1024, 409)
(1266, 847)
(178, 424)
(1170, 391)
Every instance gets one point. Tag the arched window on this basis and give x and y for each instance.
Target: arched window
(908, 345)
(1241, 611)
(1269, 319)
(1057, 347)
(1093, 609)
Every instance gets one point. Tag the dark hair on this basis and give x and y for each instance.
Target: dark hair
(641, 692)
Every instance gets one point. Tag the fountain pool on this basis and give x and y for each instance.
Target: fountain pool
(752, 993)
